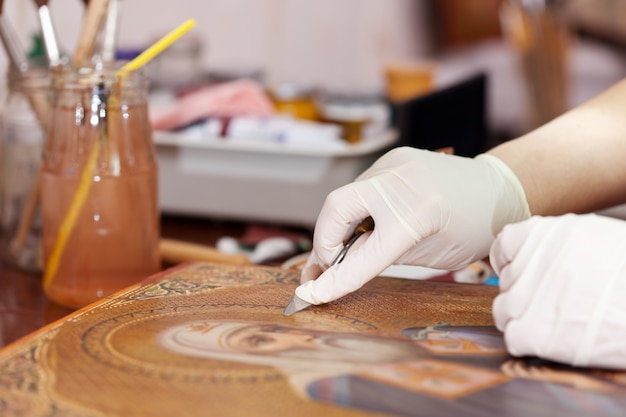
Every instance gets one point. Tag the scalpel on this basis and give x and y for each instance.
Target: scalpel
(298, 304)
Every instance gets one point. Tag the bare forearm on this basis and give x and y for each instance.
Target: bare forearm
(577, 162)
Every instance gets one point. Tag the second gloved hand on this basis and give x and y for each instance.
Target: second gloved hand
(430, 209)
(562, 286)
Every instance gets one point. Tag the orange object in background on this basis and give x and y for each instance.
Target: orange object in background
(407, 80)
(99, 190)
(462, 23)
(541, 39)
(295, 100)
(351, 129)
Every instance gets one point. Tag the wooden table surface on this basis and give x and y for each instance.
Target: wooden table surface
(528, 388)
(24, 307)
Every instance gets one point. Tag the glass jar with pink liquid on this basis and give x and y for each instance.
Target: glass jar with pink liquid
(100, 216)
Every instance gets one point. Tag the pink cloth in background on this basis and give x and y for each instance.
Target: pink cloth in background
(229, 99)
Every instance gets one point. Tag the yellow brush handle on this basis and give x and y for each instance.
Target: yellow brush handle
(159, 46)
(72, 214)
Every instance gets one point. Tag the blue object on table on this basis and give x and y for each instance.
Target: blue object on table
(492, 280)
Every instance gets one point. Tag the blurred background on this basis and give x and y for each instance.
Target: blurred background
(346, 44)
(360, 76)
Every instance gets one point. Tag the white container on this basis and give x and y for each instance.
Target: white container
(253, 180)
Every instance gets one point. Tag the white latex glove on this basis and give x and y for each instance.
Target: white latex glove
(430, 209)
(563, 289)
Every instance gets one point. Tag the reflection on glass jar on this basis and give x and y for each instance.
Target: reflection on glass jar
(23, 121)
(99, 189)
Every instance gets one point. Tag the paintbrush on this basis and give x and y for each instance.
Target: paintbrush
(94, 17)
(111, 29)
(15, 52)
(177, 251)
(19, 62)
(49, 36)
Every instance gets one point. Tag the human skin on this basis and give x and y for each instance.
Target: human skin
(577, 162)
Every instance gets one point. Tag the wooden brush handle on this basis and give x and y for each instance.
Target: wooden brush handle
(27, 216)
(176, 251)
(96, 12)
(39, 106)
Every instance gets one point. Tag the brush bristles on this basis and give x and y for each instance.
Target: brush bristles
(41, 3)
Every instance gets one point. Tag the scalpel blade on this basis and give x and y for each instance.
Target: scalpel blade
(296, 304)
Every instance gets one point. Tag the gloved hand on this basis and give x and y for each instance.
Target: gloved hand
(430, 209)
(562, 289)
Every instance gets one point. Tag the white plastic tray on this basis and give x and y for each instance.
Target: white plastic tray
(256, 181)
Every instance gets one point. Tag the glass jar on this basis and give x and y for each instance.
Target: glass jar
(99, 188)
(22, 136)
